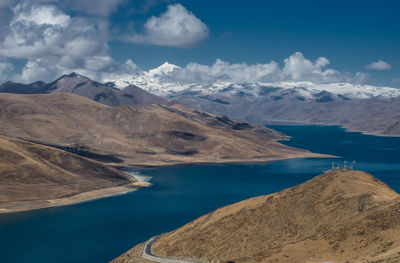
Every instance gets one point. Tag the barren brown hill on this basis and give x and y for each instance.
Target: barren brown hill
(154, 135)
(340, 216)
(35, 176)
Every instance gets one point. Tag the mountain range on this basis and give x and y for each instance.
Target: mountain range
(52, 133)
(366, 108)
(369, 109)
(83, 86)
(340, 216)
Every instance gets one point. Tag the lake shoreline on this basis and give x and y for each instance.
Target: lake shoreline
(101, 230)
(305, 154)
(347, 129)
(22, 206)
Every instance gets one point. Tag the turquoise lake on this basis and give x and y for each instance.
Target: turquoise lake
(100, 230)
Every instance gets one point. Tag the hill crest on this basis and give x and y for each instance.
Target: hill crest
(340, 216)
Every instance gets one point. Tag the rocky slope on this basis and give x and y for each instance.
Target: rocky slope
(154, 135)
(36, 176)
(340, 216)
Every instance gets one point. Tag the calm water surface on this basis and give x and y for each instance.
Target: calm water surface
(100, 230)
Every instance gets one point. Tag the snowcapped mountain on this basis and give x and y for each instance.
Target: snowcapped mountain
(366, 108)
(151, 81)
(165, 81)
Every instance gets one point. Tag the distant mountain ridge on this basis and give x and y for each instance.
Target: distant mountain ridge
(83, 86)
(162, 81)
(369, 109)
(365, 108)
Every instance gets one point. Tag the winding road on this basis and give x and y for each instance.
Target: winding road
(148, 254)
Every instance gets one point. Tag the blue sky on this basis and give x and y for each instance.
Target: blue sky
(350, 34)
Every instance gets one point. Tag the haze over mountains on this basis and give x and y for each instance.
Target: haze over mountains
(340, 216)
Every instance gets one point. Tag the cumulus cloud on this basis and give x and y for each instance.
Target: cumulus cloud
(224, 71)
(40, 15)
(378, 65)
(5, 69)
(295, 68)
(53, 42)
(90, 7)
(177, 27)
(298, 68)
(361, 78)
(52, 33)
(95, 67)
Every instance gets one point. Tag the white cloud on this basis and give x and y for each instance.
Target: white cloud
(94, 67)
(177, 27)
(361, 78)
(40, 15)
(53, 33)
(224, 71)
(53, 42)
(5, 69)
(296, 68)
(378, 65)
(35, 70)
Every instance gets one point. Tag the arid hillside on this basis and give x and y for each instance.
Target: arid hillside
(35, 176)
(154, 135)
(340, 216)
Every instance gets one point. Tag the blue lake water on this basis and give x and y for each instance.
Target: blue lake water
(100, 230)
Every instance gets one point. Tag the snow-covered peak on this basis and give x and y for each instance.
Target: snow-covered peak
(165, 68)
(356, 91)
(162, 82)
